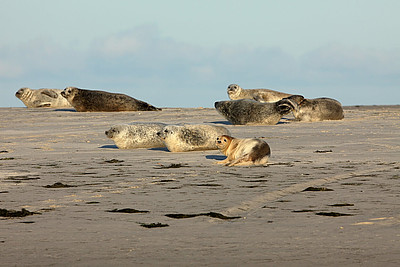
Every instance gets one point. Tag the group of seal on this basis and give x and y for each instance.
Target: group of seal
(267, 107)
(82, 100)
(95, 100)
(176, 138)
(245, 107)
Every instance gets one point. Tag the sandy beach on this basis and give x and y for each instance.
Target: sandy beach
(329, 197)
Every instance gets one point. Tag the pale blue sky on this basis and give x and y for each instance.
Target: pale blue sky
(185, 53)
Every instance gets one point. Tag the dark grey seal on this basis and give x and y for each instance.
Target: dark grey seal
(317, 109)
(94, 100)
(251, 112)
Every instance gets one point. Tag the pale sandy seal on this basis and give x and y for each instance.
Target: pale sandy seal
(251, 112)
(42, 98)
(136, 135)
(191, 137)
(243, 152)
(317, 109)
(235, 92)
(94, 100)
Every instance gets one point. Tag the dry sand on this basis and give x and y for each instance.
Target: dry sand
(356, 159)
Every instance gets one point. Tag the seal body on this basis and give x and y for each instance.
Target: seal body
(136, 135)
(191, 137)
(93, 100)
(42, 98)
(235, 92)
(243, 152)
(317, 109)
(251, 112)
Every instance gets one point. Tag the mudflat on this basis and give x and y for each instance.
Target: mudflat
(330, 195)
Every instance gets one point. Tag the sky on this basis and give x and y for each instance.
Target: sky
(185, 53)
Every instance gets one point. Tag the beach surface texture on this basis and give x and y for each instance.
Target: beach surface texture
(329, 196)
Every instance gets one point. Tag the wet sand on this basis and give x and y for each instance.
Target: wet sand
(60, 165)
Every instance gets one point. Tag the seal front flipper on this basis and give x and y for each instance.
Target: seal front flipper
(49, 93)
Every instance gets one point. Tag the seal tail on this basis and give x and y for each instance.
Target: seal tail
(149, 107)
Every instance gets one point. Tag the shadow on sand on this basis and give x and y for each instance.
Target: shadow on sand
(66, 109)
(109, 146)
(216, 157)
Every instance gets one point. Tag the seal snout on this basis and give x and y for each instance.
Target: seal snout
(159, 134)
(20, 92)
(163, 134)
(109, 133)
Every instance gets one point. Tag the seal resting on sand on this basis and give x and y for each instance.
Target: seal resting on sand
(93, 100)
(243, 152)
(251, 112)
(191, 137)
(235, 92)
(42, 98)
(136, 135)
(317, 109)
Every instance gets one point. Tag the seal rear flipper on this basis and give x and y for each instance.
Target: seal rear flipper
(144, 106)
(242, 161)
(40, 104)
(285, 106)
(44, 105)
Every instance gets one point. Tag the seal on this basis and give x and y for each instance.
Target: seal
(84, 100)
(136, 135)
(42, 98)
(251, 112)
(191, 137)
(310, 110)
(243, 152)
(235, 92)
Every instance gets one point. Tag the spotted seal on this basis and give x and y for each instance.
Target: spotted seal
(136, 135)
(317, 109)
(94, 100)
(251, 112)
(243, 152)
(42, 98)
(191, 137)
(235, 92)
